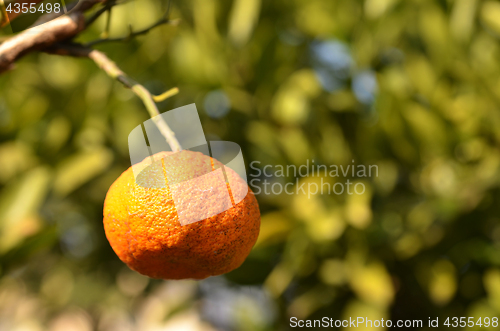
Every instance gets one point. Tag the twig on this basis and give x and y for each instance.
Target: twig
(133, 34)
(164, 96)
(100, 11)
(60, 28)
(150, 104)
(167, 12)
(113, 71)
(53, 38)
(105, 33)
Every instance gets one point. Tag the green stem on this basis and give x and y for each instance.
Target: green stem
(112, 70)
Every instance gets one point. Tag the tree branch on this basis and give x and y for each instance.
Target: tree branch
(37, 38)
(133, 34)
(53, 37)
(113, 71)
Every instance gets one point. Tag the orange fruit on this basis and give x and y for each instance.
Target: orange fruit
(142, 222)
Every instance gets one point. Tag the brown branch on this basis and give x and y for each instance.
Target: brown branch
(53, 37)
(40, 37)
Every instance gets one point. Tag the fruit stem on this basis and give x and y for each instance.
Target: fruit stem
(112, 70)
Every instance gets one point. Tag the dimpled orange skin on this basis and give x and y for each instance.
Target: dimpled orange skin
(142, 225)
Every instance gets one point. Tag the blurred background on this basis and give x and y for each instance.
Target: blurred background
(410, 86)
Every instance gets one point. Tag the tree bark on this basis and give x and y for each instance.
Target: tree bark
(37, 38)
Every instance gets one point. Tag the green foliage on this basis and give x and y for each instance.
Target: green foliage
(422, 241)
